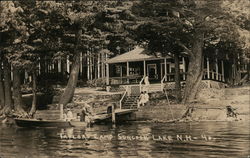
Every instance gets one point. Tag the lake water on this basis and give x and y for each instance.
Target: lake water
(149, 140)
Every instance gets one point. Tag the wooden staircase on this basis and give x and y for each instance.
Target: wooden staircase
(130, 102)
(130, 97)
(155, 88)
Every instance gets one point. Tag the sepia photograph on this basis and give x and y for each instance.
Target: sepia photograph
(124, 79)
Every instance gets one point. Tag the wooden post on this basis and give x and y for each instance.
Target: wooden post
(121, 71)
(184, 68)
(127, 71)
(53, 66)
(61, 111)
(68, 68)
(98, 65)
(216, 69)
(81, 63)
(165, 67)
(144, 68)
(113, 114)
(26, 76)
(39, 65)
(106, 58)
(88, 66)
(208, 69)
(222, 71)
(107, 74)
(102, 64)
(59, 65)
(11, 72)
(95, 67)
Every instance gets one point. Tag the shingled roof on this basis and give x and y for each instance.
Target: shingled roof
(137, 54)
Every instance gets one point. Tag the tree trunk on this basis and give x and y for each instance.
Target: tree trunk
(2, 100)
(17, 94)
(195, 68)
(7, 88)
(34, 89)
(68, 94)
(177, 78)
(248, 71)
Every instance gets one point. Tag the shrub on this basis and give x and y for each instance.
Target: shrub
(100, 82)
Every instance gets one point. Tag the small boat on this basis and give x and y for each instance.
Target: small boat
(120, 114)
(24, 122)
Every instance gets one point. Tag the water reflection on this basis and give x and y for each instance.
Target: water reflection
(228, 139)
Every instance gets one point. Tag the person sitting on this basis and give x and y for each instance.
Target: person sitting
(146, 97)
(69, 115)
(141, 100)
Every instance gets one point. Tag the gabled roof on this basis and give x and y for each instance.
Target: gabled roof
(137, 54)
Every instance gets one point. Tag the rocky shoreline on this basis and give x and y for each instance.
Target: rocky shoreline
(211, 105)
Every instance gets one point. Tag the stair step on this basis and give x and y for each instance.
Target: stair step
(129, 104)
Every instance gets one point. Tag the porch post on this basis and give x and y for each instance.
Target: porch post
(59, 65)
(208, 73)
(107, 74)
(216, 69)
(127, 71)
(68, 65)
(165, 67)
(144, 68)
(184, 68)
(222, 70)
(121, 71)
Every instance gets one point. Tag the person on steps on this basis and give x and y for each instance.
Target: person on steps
(146, 97)
(69, 115)
(141, 100)
(146, 81)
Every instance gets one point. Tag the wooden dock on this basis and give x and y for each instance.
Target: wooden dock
(119, 114)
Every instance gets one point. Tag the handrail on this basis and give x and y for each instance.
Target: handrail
(141, 83)
(124, 94)
(162, 82)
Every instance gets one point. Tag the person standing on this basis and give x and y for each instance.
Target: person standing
(87, 113)
(146, 81)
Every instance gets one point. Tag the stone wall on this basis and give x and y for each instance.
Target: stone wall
(98, 102)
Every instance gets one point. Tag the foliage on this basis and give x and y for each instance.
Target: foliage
(190, 26)
(100, 82)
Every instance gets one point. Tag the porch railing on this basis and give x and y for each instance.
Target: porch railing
(213, 75)
(162, 82)
(141, 83)
(124, 80)
(170, 77)
(121, 100)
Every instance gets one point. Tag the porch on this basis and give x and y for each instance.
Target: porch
(130, 69)
(133, 66)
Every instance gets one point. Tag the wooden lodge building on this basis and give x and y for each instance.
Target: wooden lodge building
(129, 70)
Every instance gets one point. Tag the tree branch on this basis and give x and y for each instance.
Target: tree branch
(184, 47)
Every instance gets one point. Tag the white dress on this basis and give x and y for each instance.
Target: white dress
(69, 116)
(146, 81)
